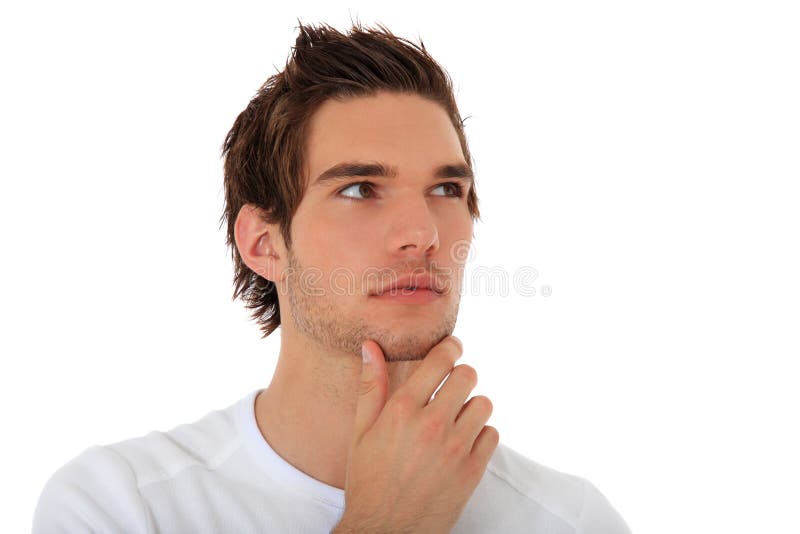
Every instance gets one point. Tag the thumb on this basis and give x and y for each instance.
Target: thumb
(371, 388)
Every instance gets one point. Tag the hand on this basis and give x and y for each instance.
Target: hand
(413, 464)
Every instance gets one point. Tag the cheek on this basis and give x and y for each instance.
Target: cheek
(456, 240)
(339, 255)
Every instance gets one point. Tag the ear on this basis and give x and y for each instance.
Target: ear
(259, 243)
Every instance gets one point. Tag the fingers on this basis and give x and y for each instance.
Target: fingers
(371, 388)
(435, 367)
(473, 416)
(484, 447)
(454, 392)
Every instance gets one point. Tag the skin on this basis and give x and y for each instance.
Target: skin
(405, 224)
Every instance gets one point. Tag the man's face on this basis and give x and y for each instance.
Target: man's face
(351, 240)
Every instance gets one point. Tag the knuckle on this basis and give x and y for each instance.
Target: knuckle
(433, 425)
(403, 405)
(455, 448)
(366, 386)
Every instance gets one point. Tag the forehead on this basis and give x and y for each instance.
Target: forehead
(405, 130)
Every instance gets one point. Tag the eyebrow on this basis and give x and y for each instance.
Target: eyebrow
(349, 169)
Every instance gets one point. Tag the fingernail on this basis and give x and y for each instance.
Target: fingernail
(364, 355)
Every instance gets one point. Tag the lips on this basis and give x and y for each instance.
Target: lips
(407, 281)
(418, 297)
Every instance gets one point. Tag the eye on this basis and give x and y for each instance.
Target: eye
(456, 189)
(362, 186)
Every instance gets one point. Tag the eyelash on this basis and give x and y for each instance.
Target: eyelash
(459, 189)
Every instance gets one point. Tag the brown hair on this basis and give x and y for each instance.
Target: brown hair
(263, 150)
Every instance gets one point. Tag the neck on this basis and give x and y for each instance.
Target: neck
(308, 411)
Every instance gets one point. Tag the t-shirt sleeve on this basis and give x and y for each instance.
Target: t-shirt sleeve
(94, 492)
(597, 514)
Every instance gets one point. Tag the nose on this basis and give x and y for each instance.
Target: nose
(414, 230)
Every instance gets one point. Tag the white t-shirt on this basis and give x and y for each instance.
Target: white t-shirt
(220, 475)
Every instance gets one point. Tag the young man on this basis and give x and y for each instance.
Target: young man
(349, 197)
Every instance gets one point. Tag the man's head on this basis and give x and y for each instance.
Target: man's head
(379, 101)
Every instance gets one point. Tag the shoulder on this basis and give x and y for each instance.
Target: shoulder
(97, 491)
(160, 456)
(573, 499)
(101, 488)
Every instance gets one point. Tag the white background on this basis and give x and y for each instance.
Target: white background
(641, 156)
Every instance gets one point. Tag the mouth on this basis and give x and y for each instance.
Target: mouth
(408, 295)
(405, 290)
(411, 284)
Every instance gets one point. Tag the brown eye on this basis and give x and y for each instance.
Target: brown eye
(456, 189)
(362, 188)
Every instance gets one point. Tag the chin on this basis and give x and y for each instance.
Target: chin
(410, 344)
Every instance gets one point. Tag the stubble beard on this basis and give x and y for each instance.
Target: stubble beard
(322, 319)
